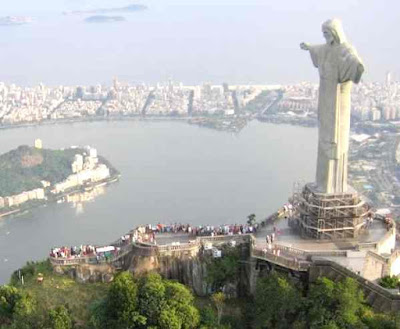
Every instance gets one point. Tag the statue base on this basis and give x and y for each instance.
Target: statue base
(326, 216)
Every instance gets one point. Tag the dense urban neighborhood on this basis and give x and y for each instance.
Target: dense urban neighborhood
(375, 109)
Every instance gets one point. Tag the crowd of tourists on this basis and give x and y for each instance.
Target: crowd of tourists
(288, 210)
(205, 230)
(85, 251)
(144, 234)
(147, 234)
(72, 252)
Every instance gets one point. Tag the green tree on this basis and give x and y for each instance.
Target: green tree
(389, 282)
(122, 303)
(219, 302)
(189, 315)
(177, 294)
(321, 303)
(9, 297)
(277, 302)
(14, 303)
(340, 304)
(167, 304)
(330, 325)
(381, 320)
(224, 270)
(169, 319)
(60, 318)
(99, 314)
(350, 303)
(151, 297)
(180, 299)
(208, 317)
(251, 219)
(152, 303)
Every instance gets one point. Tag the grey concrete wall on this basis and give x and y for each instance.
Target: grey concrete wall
(375, 267)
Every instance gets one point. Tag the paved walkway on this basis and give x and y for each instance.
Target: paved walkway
(288, 244)
(289, 237)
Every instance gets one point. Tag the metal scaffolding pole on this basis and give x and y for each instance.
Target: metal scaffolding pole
(329, 216)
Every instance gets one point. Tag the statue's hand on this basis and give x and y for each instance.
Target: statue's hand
(305, 46)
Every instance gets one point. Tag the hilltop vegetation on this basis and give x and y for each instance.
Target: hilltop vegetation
(61, 303)
(24, 168)
(151, 302)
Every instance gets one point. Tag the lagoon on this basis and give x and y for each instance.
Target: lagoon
(171, 172)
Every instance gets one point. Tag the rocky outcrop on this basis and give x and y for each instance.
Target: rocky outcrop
(186, 265)
(189, 264)
(191, 271)
(88, 273)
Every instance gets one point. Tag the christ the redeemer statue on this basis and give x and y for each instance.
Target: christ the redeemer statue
(338, 66)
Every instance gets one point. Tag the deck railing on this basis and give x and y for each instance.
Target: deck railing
(310, 253)
(91, 259)
(292, 263)
(179, 247)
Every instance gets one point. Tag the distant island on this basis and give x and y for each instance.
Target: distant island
(15, 20)
(104, 19)
(126, 9)
(31, 176)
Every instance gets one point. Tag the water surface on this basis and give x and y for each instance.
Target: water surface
(171, 171)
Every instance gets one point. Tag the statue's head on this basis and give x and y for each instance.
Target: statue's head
(333, 31)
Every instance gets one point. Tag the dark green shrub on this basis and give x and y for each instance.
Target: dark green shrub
(389, 282)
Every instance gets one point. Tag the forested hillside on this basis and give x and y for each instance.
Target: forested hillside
(24, 168)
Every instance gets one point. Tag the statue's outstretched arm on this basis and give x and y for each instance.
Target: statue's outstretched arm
(305, 46)
(314, 51)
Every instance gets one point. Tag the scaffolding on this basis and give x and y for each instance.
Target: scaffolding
(329, 216)
(297, 192)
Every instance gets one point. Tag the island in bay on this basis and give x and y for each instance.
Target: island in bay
(126, 9)
(104, 19)
(30, 176)
(15, 20)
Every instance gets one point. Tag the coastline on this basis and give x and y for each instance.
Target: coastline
(9, 213)
(228, 124)
(54, 199)
(94, 119)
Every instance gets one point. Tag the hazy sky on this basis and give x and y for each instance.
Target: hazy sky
(236, 41)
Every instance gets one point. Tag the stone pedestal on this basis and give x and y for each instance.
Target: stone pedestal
(329, 216)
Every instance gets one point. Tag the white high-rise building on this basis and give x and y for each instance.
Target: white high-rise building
(388, 78)
(38, 143)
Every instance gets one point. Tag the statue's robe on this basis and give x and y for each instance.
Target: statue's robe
(338, 66)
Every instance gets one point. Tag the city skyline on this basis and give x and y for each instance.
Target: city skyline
(252, 42)
(20, 105)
